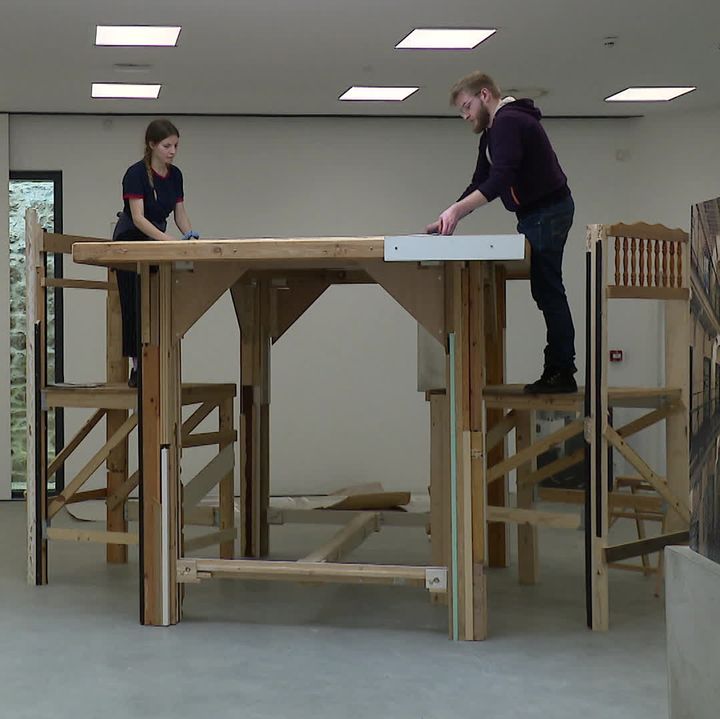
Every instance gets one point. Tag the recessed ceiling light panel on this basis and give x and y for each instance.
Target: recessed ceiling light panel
(137, 35)
(649, 94)
(444, 39)
(386, 94)
(124, 91)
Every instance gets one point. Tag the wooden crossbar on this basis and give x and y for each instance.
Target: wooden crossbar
(197, 417)
(647, 420)
(194, 570)
(659, 483)
(82, 535)
(73, 444)
(89, 469)
(644, 546)
(348, 538)
(498, 431)
(502, 468)
(123, 491)
(218, 468)
(551, 469)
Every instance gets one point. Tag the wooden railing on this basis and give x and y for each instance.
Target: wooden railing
(649, 261)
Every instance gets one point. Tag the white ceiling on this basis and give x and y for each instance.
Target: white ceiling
(286, 57)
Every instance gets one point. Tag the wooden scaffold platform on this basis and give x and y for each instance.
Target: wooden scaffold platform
(459, 299)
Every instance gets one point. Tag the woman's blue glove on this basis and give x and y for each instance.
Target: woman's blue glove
(191, 235)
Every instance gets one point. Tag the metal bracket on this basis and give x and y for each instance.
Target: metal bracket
(436, 579)
(187, 571)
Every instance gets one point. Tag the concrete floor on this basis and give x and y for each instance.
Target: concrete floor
(74, 649)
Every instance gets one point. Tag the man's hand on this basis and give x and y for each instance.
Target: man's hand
(433, 228)
(447, 222)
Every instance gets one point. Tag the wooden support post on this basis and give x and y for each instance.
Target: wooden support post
(161, 422)
(528, 557)
(227, 484)
(466, 381)
(439, 485)
(117, 461)
(677, 374)
(597, 527)
(36, 376)
(253, 308)
(494, 301)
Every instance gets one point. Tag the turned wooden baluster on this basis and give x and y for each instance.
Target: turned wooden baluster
(626, 273)
(633, 261)
(665, 263)
(672, 264)
(643, 250)
(617, 260)
(679, 264)
(656, 244)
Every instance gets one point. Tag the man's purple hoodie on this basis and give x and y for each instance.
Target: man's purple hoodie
(516, 161)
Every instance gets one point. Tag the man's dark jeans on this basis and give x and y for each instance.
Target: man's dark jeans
(547, 231)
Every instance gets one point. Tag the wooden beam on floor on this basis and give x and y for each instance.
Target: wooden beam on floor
(347, 539)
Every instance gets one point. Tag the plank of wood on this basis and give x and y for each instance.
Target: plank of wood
(222, 537)
(269, 248)
(534, 518)
(203, 439)
(552, 468)
(227, 483)
(63, 244)
(196, 418)
(122, 492)
(84, 535)
(69, 284)
(89, 469)
(398, 575)
(617, 500)
(659, 483)
(648, 293)
(570, 430)
(116, 368)
(647, 420)
(500, 429)
(527, 537)
(36, 379)
(73, 444)
(350, 537)
(645, 546)
(494, 290)
(208, 477)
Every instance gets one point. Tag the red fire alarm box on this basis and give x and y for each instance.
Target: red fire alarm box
(616, 355)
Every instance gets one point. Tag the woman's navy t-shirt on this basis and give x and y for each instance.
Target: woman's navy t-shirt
(158, 201)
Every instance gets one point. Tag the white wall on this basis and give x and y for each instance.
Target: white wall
(344, 406)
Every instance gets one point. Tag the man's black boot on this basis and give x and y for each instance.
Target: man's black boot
(553, 381)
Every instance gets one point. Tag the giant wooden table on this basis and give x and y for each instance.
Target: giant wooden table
(273, 281)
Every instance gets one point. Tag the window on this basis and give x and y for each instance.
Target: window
(43, 192)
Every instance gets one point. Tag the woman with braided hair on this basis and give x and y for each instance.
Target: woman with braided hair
(152, 189)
